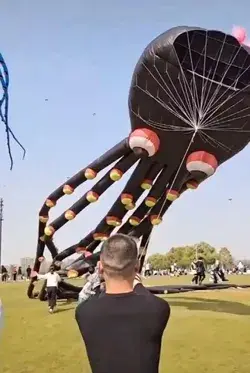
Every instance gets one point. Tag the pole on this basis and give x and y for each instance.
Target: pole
(1, 226)
(196, 252)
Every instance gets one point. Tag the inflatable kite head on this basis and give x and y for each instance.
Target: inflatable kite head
(189, 106)
(190, 89)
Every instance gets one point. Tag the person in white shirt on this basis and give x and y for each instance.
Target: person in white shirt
(240, 267)
(52, 279)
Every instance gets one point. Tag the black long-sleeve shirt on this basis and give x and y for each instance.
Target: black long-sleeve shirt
(200, 266)
(123, 332)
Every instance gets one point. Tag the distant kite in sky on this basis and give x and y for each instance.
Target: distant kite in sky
(4, 107)
(189, 107)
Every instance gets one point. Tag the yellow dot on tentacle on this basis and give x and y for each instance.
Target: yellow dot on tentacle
(150, 201)
(155, 219)
(192, 184)
(92, 197)
(72, 273)
(113, 221)
(146, 184)
(115, 174)
(90, 174)
(67, 189)
(172, 195)
(49, 203)
(126, 199)
(70, 215)
(43, 219)
(134, 221)
(49, 231)
(100, 236)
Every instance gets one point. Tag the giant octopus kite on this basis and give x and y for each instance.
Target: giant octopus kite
(189, 106)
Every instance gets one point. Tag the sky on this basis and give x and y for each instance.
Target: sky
(80, 56)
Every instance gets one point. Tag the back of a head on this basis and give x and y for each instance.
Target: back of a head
(119, 256)
(52, 269)
(91, 269)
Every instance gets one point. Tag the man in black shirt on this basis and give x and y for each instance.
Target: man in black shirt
(122, 329)
(200, 271)
(28, 272)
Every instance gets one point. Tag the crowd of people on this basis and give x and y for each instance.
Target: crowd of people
(199, 269)
(15, 274)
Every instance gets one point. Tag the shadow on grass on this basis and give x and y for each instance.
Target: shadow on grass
(64, 309)
(214, 305)
(62, 302)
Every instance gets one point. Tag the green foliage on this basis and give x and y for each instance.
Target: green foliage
(184, 255)
(159, 261)
(225, 257)
(208, 252)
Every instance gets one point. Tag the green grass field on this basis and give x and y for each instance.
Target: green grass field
(209, 331)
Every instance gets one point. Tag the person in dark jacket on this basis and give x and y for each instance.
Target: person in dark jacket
(19, 273)
(122, 328)
(4, 273)
(200, 272)
(14, 274)
(28, 272)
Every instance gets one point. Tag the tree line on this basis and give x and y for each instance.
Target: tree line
(184, 255)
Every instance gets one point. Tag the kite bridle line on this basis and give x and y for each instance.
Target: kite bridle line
(4, 108)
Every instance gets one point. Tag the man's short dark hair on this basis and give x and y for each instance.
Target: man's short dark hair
(119, 256)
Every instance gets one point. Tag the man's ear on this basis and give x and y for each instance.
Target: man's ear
(100, 267)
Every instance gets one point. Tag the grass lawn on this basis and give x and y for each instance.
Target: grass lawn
(209, 331)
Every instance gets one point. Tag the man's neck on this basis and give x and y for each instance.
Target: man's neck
(118, 287)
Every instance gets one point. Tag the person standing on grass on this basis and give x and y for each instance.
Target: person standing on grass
(91, 286)
(123, 327)
(194, 272)
(19, 273)
(53, 280)
(28, 272)
(200, 271)
(14, 274)
(147, 269)
(4, 274)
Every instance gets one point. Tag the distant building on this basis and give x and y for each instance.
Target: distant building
(45, 265)
(11, 268)
(25, 262)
